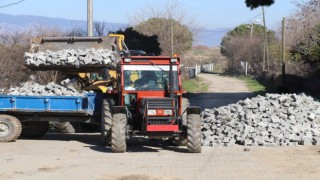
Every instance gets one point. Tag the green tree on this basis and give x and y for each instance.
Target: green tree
(309, 47)
(239, 46)
(163, 27)
(256, 3)
(303, 37)
(137, 41)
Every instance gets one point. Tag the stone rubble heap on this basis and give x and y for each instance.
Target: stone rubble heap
(70, 57)
(271, 120)
(30, 88)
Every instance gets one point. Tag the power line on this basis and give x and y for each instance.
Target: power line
(225, 30)
(11, 4)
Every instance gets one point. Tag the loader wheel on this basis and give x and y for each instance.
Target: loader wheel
(106, 124)
(64, 127)
(10, 128)
(34, 129)
(118, 135)
(194, 133)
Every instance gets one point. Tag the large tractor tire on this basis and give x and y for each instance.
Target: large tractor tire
(34, 129)
(185, 104)
(106, 124)
(194, 133)
(10, 128)
(118, 134)
(64, 127)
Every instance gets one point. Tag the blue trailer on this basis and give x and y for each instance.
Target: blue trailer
(30, 115)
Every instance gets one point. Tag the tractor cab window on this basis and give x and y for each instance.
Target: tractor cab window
(149, 77)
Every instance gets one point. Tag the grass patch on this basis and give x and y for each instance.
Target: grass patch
(194, 85)
(253, 84)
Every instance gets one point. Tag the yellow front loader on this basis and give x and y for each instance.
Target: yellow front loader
(100, 77)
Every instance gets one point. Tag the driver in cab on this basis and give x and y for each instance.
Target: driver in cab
(148, 80)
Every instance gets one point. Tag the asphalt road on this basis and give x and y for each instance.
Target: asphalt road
(221, 92)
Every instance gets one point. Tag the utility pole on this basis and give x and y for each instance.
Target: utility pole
(172, 37)
(89, 18)
(283, 64)
(265, 46)
(251, 59)
(251, 30)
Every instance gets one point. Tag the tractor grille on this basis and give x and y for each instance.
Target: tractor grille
(159, 121)
(161, 103)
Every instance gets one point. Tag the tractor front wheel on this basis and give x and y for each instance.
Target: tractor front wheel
(194, 133)
(118, 135)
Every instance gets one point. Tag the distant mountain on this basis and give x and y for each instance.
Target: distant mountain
(206, 37)
(28, 21)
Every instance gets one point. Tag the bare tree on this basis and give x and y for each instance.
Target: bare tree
(300, 23)
(100, 28)
(77, 31)
(153, 20)
(302, 36)
(42, 30)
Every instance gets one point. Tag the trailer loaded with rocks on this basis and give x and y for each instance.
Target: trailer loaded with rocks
(27, 110)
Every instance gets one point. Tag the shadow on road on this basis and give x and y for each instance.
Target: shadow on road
(134, 144)
(214, 100)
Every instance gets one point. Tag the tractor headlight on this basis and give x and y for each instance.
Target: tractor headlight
(152, 112)
(167, 112)
(127, 60)
(173, 60)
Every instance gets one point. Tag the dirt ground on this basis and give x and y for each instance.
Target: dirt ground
(79, 156)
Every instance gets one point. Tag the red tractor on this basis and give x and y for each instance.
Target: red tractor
(147, 101)
(134, 95)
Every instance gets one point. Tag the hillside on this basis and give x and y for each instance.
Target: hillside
(206, 37)
(11, 22)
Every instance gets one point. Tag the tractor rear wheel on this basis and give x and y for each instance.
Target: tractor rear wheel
(34, 129)
(10, 128)
(118, 135)
(194, 133)
(106, 124)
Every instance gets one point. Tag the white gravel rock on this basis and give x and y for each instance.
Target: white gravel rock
(270, 120)
(30, 88)
(70, 57)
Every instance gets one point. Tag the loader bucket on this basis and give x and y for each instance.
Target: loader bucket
(55, 44)
(42, 44)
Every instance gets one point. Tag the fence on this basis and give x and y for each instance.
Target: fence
(196, 69)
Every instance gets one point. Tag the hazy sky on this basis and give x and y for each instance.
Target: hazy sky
(210, 14)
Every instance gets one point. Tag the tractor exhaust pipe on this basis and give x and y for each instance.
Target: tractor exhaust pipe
(171, 80)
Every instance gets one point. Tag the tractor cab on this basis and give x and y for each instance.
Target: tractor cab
(152, 93)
